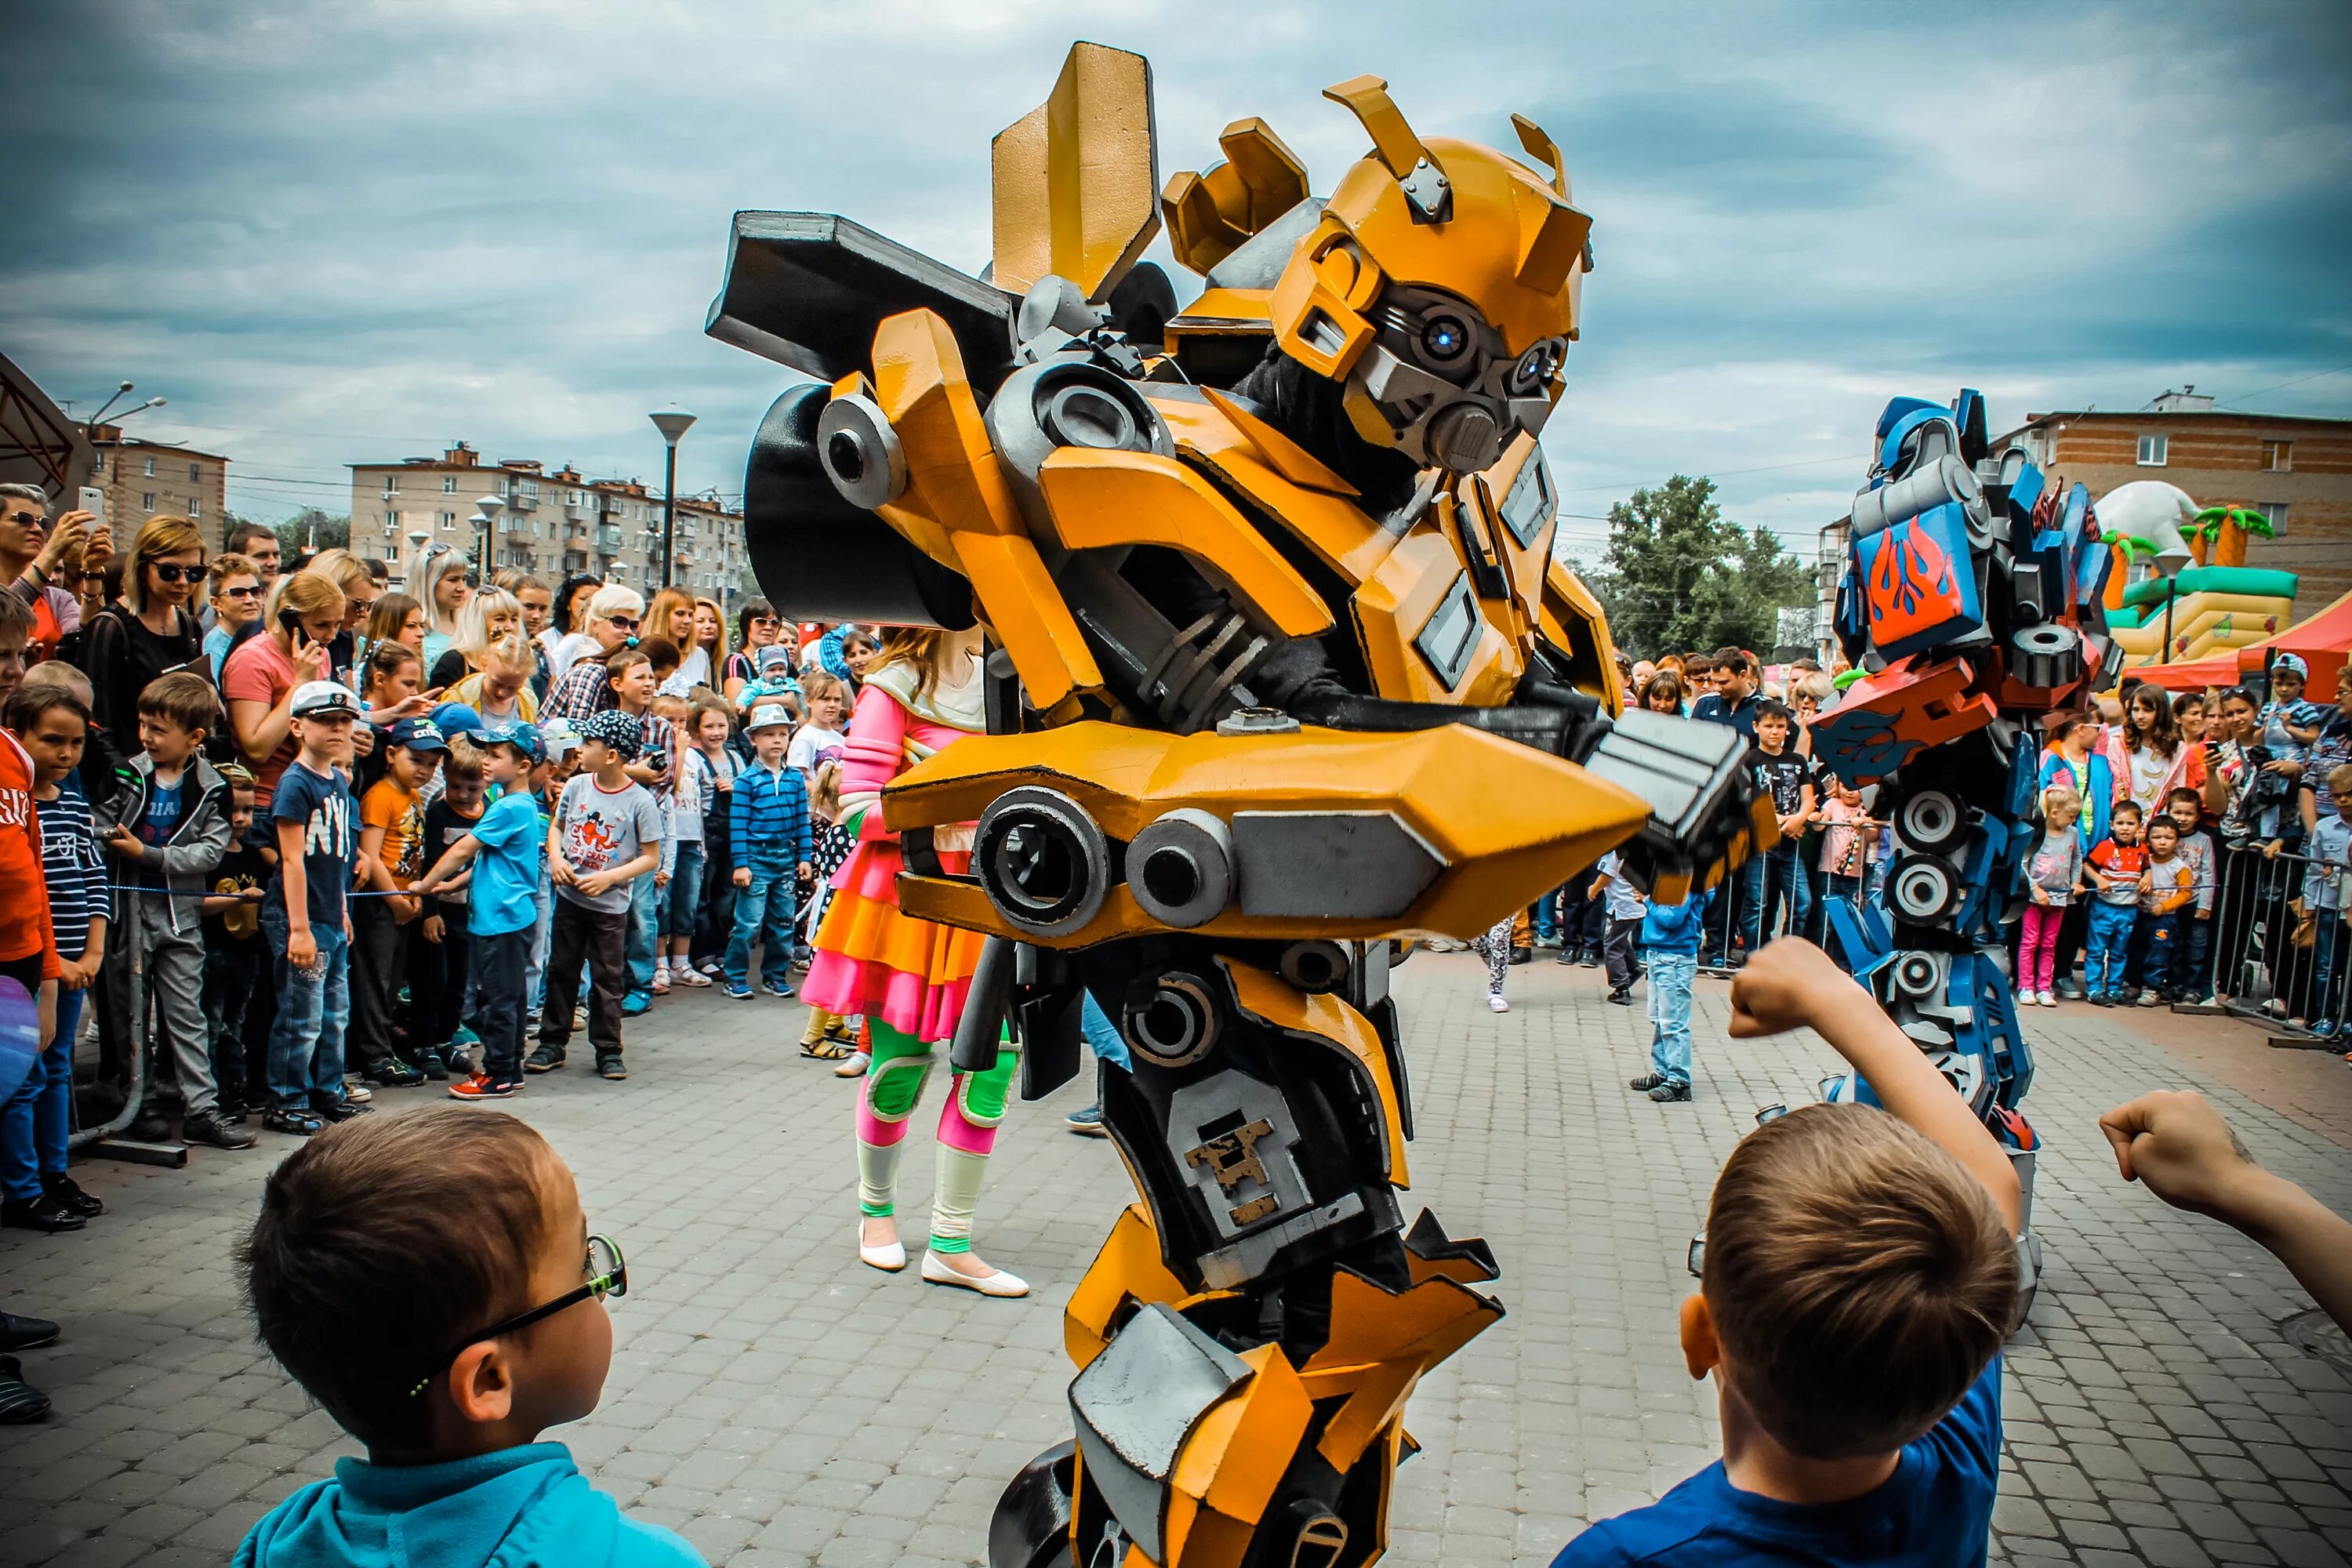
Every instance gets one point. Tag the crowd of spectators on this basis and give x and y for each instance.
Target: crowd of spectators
(295, 839)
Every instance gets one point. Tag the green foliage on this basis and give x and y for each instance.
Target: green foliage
(1680, 577)
(334, 533)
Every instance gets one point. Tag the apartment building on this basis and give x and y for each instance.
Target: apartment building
(2296, 472)
(143, 479)
(550, 522)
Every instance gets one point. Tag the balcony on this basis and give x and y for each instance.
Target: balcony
(608, 539)
(575, 561)
(523, 498)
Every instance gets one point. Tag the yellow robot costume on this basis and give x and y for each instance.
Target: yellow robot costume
(1283, 669)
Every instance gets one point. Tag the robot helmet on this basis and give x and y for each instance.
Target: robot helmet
(1441, 287)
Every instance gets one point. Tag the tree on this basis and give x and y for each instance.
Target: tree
(333, 532)
(1680, 577)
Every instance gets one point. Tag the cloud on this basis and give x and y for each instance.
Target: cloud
(347, 232)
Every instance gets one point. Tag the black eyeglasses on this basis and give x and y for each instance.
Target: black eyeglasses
(167, 572)
(608, 1275)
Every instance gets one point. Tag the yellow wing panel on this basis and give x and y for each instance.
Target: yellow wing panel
(1074, 180)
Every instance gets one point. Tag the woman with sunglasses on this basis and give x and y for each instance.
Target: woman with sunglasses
(236, 594)
(581, 690)
(761, 627)
(151, 631)
(301, 618)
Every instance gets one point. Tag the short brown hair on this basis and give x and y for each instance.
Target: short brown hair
(661, 653)
(384, 1241)
(819, 683)
(1859, 1278)
(618, 661)
(186, 698)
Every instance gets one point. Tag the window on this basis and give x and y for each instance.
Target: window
(193, 475)
(449, 484)
(196, 506)
(2278, 456)
(448, 519)
(2277, 511)
(391, 521)
(151, 468)
(391, 484)
(2151, 451)
(147, 498)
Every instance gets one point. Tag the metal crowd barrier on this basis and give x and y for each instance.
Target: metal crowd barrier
(2260, 970)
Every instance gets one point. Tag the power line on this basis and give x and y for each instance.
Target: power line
(2298, 380)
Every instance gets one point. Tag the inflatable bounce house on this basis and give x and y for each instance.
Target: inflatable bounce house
(2181, 577)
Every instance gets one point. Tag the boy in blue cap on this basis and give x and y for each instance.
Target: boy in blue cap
(503, 847)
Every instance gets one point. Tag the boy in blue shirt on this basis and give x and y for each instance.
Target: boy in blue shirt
(306, 916)
(768, 821)
(503, 847)
(1859, 1271)
(451, 1243)
(1669, 938)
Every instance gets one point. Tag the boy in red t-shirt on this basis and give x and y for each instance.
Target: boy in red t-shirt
(28, 948)
(2114, 867)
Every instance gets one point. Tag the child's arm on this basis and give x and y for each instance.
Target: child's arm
(559, 864)
(76, 974)
(302, 948)
(196, 853)
(597, 882)
(1793, 984)
(451, 864)
(2180, 1149)
(804, 836)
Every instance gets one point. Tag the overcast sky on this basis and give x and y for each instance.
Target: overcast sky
(354, 231)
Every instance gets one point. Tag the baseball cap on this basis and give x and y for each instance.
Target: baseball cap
(624, 732)
(2291, 662)
(523, 737)
(560, 736)
(775, 656)
(321, 699)
(456, 719)
(767, 716)
(419, 735)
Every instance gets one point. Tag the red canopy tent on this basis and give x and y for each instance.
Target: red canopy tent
(2323, 642)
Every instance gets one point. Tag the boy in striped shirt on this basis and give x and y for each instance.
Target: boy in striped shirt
(768, 818)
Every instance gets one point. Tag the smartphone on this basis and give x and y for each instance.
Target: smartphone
(93, 502)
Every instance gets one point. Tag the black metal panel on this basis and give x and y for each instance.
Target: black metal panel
(808, 290)
(817, 556)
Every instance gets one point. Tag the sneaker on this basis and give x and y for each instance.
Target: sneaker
(430, 1066)
(42, 1213)
(2047, 1000)
(635, 1005)
(341, 1110)
(2147, 997)
(1623, 997)
(1670, 1092)
(2326, 1028)
(712, 966)
(547, 1058)
(611, 1067)
(740, 992)
(357, 1092)
(1646, 1082)
(1523, 955)
(1496, 1005)
(1087, 1123)
(206, 1127)
(690, 976)
(292, 1121)
(1588, 958)
(464, 1039)
(775, 988)
(392, 1073)
(482, 1086)
(2070, 992)
(63, 1190)
(151, 1127)
(661, 981)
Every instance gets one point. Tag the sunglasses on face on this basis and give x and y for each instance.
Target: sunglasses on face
(625, 623)
(250, 591)
(167, 572)
(28, 520)
(608, 1275)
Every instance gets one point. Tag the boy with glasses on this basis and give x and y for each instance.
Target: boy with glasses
(452, 1244)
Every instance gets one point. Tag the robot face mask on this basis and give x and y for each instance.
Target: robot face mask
(1448, 387)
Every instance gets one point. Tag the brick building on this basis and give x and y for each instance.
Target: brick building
(2298, 472)
(142, 478)
(554, 521)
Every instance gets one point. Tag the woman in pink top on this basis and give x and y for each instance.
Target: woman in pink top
(304, 613)
(909, 977)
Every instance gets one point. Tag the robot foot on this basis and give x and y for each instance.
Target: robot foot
(1031, 1528)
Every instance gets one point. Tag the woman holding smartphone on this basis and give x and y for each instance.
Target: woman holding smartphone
(303, 614)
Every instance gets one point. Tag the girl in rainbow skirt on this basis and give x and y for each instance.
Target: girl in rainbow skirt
(909, 977)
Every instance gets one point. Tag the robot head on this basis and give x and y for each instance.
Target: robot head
(1440, 288)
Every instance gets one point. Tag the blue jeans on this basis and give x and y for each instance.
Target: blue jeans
(2325, 1004)
(2108, 952)
(1670, 1005)
(39, 1118)
(682, 900)
(306, 1043)
(644, 929)
(770, 902)
(1102, 1036)
(534, 979)
(1770, 875)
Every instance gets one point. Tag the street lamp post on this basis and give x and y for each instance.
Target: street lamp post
(485, 519)
(672, 423)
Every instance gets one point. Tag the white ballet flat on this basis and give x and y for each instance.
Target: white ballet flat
(853, 1065)
(890, 1260)
(997, 1284)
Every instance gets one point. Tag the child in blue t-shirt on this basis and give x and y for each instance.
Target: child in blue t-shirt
(1856, 1277)
(504, 848)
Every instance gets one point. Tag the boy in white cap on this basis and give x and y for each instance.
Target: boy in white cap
(605, 834)
(305, 914)
(768, 822)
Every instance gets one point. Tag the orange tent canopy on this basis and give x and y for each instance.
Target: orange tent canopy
(2323, 642)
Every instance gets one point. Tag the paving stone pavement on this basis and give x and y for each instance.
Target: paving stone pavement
(780, 1404)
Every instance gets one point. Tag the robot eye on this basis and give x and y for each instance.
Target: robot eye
(1445, 339)
(1536, 367)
